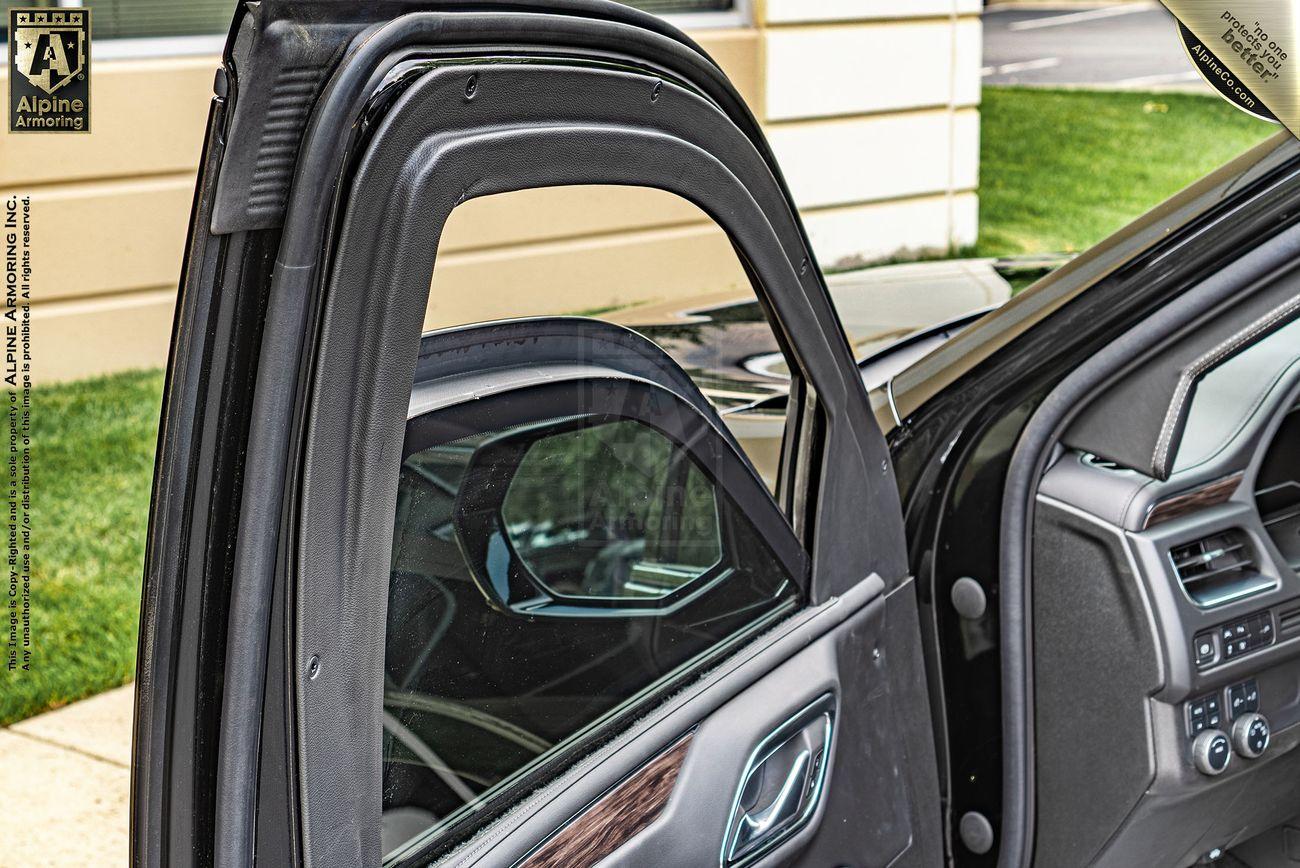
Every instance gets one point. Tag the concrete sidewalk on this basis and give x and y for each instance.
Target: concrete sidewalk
(65, 782)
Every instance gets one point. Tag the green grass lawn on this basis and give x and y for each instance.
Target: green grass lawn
(92, 465)
(1060, 170)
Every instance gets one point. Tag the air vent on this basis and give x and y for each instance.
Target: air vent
(1218, 568)
(1288, 621)
(1103, 463)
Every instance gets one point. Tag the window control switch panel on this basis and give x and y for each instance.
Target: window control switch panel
(1246, 634)
(1233, 639)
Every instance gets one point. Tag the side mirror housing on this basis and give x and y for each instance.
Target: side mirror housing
(630, 507)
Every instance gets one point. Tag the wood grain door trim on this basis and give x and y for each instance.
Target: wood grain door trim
(1210, 494)
(616, 817)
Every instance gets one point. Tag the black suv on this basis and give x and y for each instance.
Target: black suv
(556, 591)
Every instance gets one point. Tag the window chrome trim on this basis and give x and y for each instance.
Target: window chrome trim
(741, 14)
(135, 48)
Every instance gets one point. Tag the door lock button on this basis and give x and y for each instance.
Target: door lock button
(1203, 649)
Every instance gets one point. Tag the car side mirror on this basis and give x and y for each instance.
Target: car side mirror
(608, 514)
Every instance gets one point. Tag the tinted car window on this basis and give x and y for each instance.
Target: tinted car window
(639, 257)
(475, 694)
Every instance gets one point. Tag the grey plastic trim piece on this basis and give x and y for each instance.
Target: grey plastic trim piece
(1098, 659)
(1150, 607)
(976, 832)
(968, 598)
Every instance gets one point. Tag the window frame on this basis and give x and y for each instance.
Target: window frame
(333, 551)
(670, 178)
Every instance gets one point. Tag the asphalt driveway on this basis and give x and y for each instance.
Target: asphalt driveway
(1126, 46)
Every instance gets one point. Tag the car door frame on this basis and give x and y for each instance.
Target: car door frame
(959, 415)
(248, 324)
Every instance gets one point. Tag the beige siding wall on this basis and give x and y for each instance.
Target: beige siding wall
(109, 214)
(873, 118)
(872, 109)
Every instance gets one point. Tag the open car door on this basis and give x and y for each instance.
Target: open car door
(508, 593)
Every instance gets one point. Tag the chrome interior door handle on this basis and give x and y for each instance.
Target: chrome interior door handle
(782, 784)
(754, 826)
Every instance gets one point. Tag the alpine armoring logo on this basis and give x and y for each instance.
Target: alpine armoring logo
(49, 70)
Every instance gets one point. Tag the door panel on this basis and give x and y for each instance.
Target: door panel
(870, 779)
(331, 291)
(759, 695)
